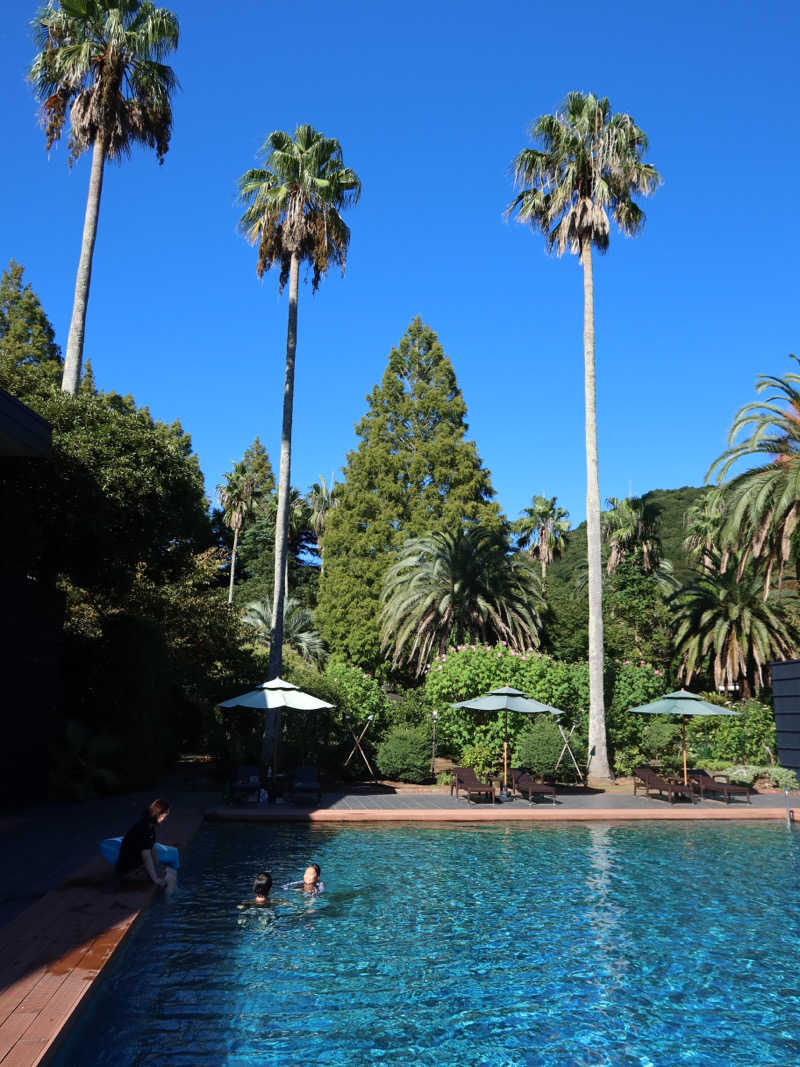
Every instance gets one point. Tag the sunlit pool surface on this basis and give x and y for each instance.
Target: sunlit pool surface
(657, 945)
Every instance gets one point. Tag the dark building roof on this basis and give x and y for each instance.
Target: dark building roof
(22, 431)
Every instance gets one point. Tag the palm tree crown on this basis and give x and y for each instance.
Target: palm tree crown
(725, 622)
(298, 628)
(293, 203)
(588, 167)
(103, 59)
(543, 529)
(447, 588)
(631, 527)
(762, 505)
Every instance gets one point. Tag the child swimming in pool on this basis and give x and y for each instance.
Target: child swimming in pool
(261, 888)
(311, 881)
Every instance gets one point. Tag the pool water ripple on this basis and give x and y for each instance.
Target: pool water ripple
(648, 946)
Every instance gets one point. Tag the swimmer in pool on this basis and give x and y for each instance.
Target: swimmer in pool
(311, 881)
(261, 888)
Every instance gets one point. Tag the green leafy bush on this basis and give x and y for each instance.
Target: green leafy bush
(483, 755)
(405, 754)
(539, 747)
(746, 738)
(780, 777)
(661, 740)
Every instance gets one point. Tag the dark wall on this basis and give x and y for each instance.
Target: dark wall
(786, 697)
(31, 696)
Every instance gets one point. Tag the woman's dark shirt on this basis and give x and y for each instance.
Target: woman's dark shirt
(140, 838)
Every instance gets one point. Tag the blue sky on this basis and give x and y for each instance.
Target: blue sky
(431, 102)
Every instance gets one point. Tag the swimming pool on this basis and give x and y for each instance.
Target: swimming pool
(558, 945)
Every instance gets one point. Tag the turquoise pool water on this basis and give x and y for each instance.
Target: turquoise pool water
(558, 945)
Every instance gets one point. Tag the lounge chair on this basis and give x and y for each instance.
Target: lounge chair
(246, 785)
(646, 778)
(524, 783)
(465, 779)
(305, 785)
(717, 783)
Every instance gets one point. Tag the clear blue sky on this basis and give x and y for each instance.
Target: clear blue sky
(430, 103)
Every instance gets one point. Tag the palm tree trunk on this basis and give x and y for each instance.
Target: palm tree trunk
(282, 518)
(598, 753)
(233, 566)
(74, 358)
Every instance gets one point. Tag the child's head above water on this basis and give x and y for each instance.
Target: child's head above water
(262, 885)
(311, 874)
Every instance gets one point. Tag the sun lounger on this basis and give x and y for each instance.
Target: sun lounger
(648, 779)
(246, 785)
(305, 785)
(717, 783)
(465, 779)
(524, 783)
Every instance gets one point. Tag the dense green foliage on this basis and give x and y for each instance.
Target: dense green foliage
(28, 350)
(405, 754)
(117, 530)
(538, 747)
(413, 474)
(459, 586)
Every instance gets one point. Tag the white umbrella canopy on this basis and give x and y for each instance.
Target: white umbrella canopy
(277, 694)
(507, 699)
(274, 696)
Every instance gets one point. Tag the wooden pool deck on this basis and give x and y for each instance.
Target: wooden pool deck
(52, 953)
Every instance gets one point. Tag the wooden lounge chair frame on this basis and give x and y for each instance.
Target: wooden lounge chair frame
(305, 783)
(522, 782)
(717, 783)
(465, 779)
(246, 782)
(648, 779)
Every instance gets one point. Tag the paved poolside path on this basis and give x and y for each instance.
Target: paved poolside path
(572, 805)
(59, 925)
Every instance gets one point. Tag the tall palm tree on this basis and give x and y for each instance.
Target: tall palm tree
(588, 166)
(293, 206)
(298, 628)
(703, 523)
(102, 59)
(631, 527)
(543, 530)
(235, 497)
(723, 621)
(448, 588)
(322, 499)
(762, 505)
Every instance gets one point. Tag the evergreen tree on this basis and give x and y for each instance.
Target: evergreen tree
(256, 460)
(413, 473)
(28, 351)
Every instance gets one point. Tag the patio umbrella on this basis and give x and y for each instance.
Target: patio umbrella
(274, 696)
(507, 699)
(682, 703)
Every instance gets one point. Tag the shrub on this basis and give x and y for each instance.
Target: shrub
(780, 777)
(409, 708)
(483, 755)
(405, 754)
(539, 747)
(748, 738)
(661, 740)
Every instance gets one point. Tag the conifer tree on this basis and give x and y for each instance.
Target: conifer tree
(413, 473)
(28, 351)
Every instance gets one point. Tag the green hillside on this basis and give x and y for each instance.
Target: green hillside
(566, 623)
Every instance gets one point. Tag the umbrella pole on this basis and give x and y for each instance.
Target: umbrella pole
(275, 749)
(683, 743)
(505, 757)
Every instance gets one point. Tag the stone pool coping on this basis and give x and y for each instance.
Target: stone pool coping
(479, 814)
(53, 953)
